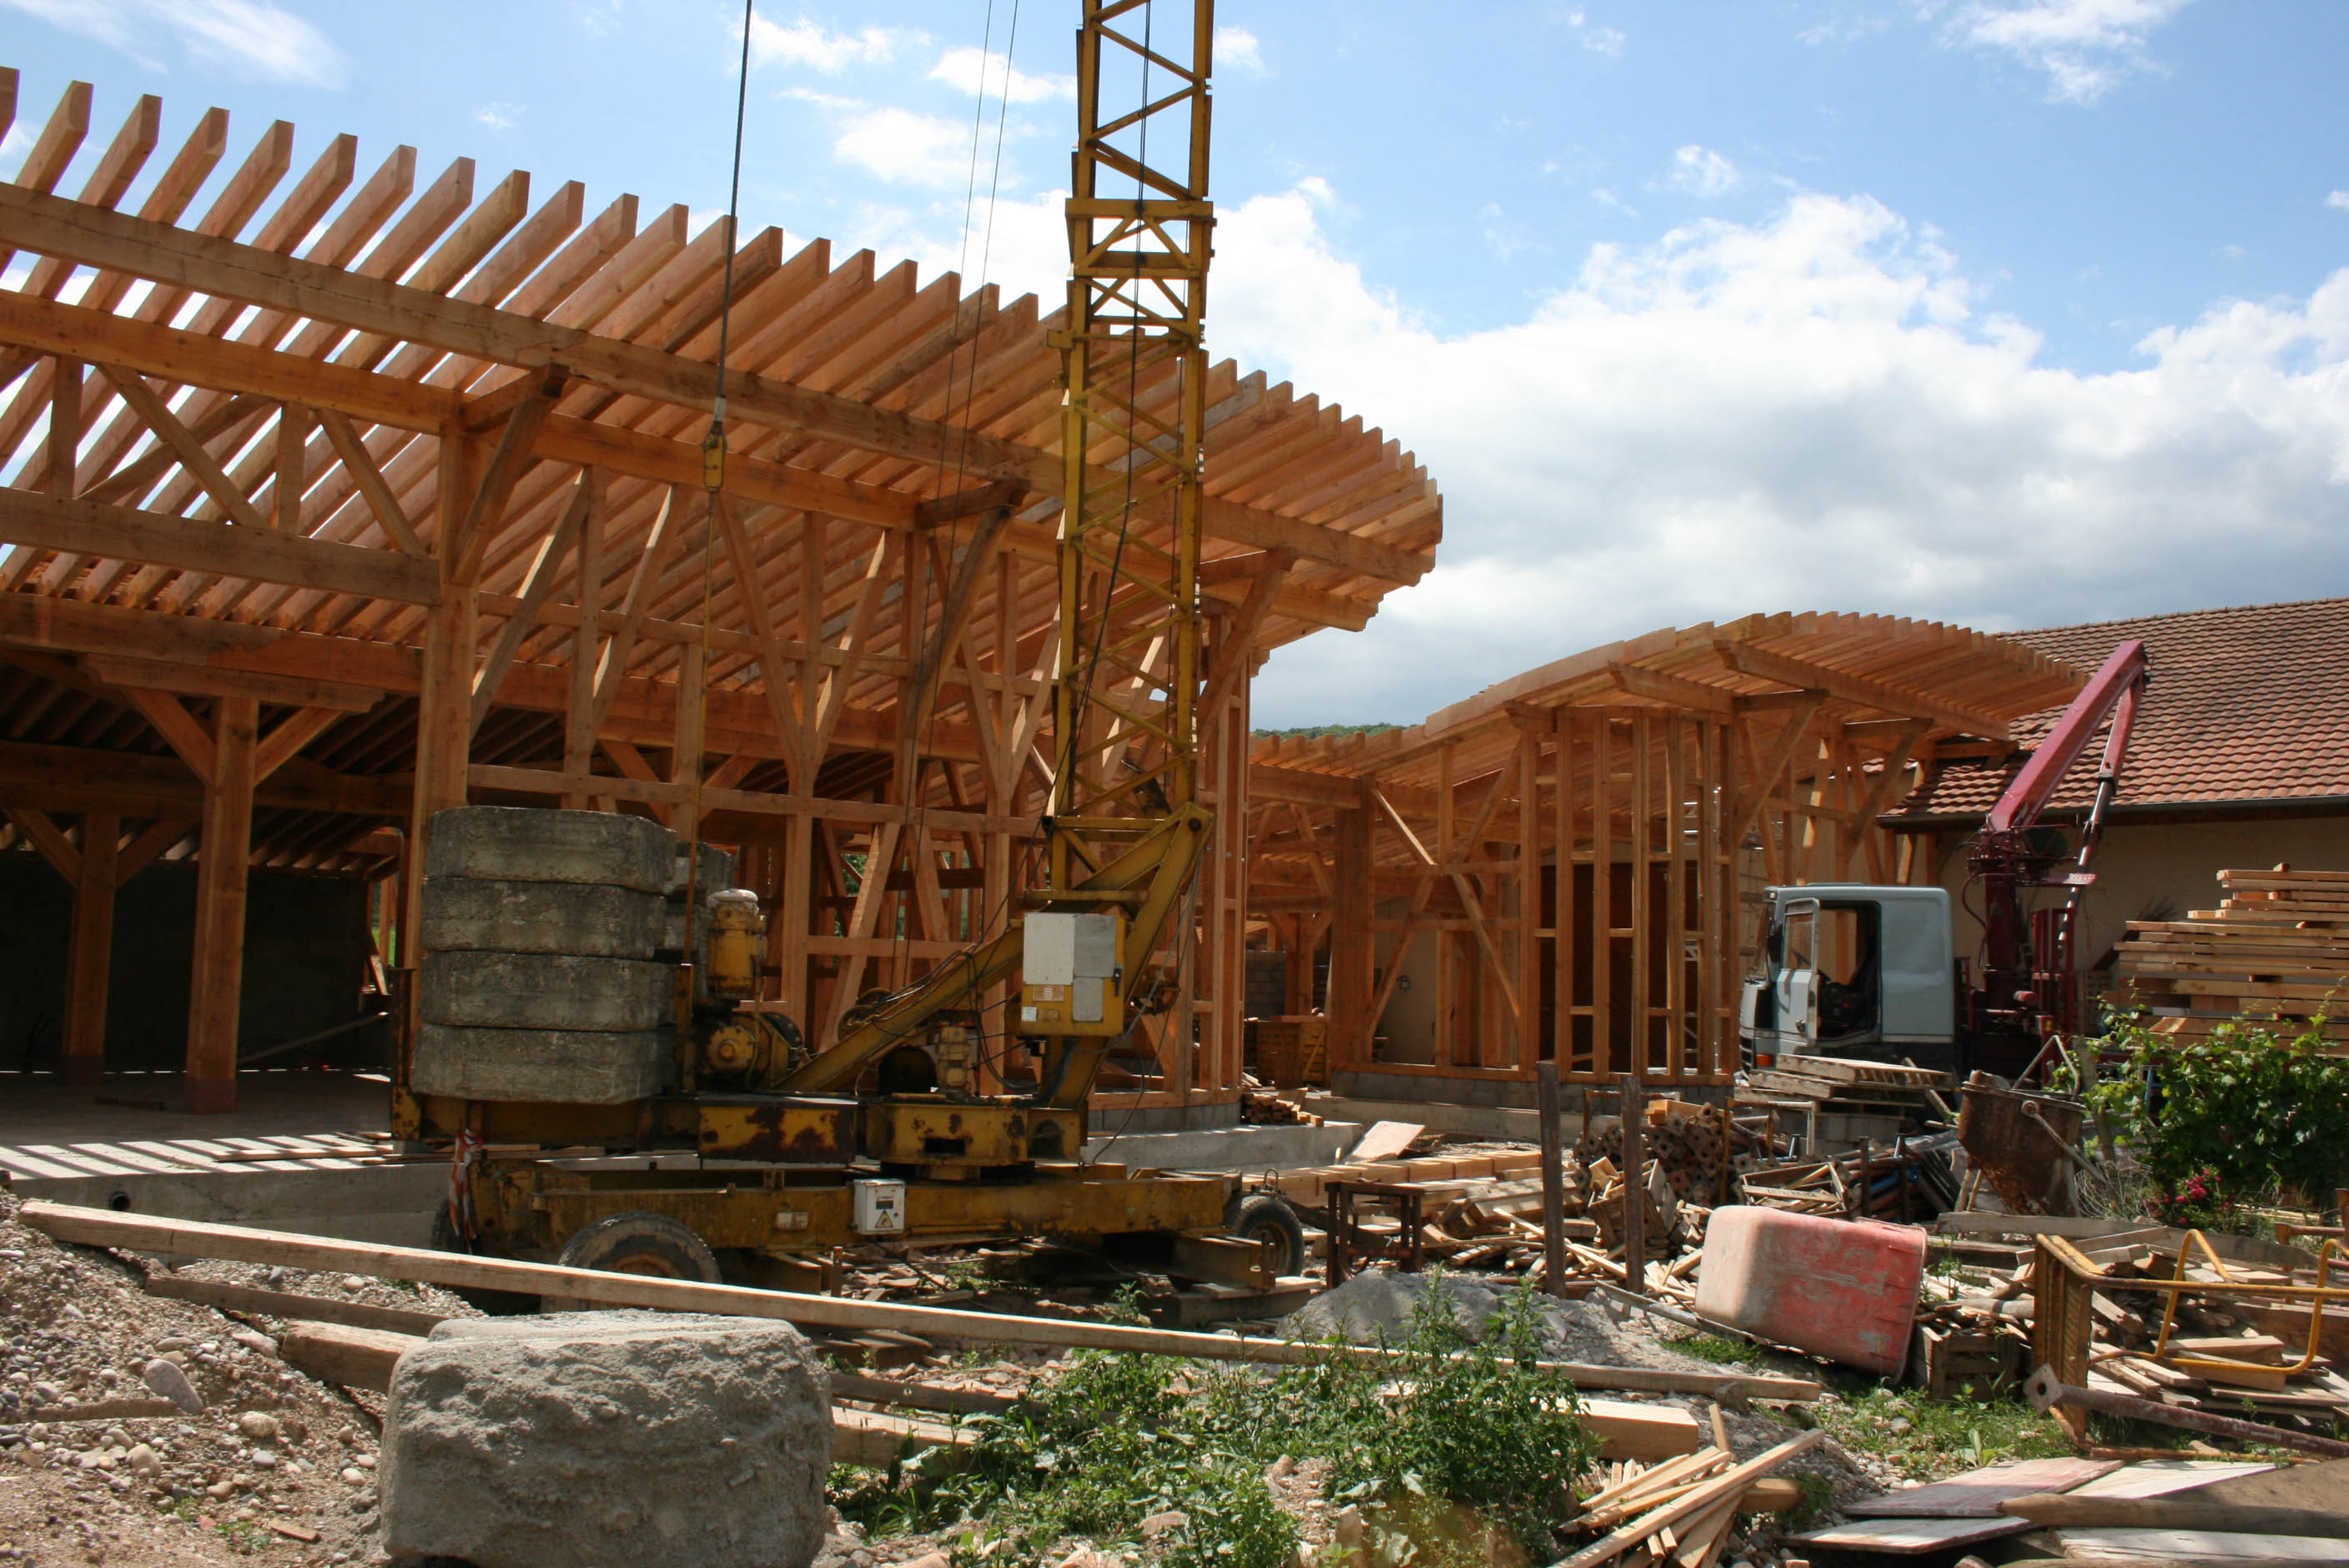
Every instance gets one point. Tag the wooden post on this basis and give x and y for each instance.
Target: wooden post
(444, 705)
(1635, 1185)
(1353, 950)
(217, 984)
(90, 960)
(1553, 1177)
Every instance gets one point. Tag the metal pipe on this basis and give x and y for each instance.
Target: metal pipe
(2047, 1391)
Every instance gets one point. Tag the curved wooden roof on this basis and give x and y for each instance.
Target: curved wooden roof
(1870, 666)
(275, 354)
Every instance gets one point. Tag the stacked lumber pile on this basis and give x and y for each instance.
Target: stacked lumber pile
(1262, 1109)
(1680, 1512)
(1693, 1145)
(2275, 950)
(1836, 1085)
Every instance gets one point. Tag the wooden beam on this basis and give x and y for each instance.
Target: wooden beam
(487, 513)
(71, 230)
(537, 587)
(294, 732)
(1764, 779)
(141, 852)
(1902, 701)
(193, 455)
(135, 784)
(368, 478)
(179, 729)
(1237, 635)
(89, 957)
(210, 680)
(216, 980)
(1270, 781)
(251, 551)
(1693, 696)
(46, 836)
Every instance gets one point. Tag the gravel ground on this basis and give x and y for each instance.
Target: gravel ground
(275, 1467)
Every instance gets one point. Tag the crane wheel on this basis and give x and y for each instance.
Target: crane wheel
(1266, 1219)
(639, 1243)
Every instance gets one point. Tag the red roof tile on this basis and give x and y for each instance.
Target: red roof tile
(2244, 704)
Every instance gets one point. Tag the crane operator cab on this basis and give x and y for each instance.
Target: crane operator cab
(1856, 971)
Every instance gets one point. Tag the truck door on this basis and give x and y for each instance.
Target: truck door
(1798, 970)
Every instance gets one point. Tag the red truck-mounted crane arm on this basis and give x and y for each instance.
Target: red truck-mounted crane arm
(2028, 985)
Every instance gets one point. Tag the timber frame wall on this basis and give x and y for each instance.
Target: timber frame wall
(325, 514)
(1581, 844)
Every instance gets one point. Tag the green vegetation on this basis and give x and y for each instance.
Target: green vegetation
(1438, 1448)
(2225, 1125)
(1316, 732)
(1929, 1438)
(1717, 1349)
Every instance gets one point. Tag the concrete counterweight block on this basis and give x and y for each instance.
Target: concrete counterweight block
(521, 843)
(544, 991)
(579, 918)
(628, 1445)
(556, 1067)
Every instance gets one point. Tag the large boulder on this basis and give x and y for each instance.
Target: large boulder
(524, 843)
(559, 1067)
(608, 1440)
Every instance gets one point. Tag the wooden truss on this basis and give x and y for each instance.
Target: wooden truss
(333, 497)
(1567, 858)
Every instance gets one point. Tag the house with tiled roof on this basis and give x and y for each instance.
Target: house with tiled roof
(2239, 757)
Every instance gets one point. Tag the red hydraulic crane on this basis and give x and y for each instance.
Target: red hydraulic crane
(2028, 987)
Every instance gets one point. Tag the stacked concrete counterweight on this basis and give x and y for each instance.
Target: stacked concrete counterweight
(543, 935)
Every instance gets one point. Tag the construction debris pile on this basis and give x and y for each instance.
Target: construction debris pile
(2276, 949)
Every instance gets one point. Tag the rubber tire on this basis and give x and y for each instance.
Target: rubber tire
(639, 1243)
(1267, 1217)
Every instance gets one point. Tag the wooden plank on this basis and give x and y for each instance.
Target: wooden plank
(1383, 1141)
(190, 1238)
(120, 533)
(1629, 1430)
(1977, 1493)
(291, 1306)
(1910, 1537)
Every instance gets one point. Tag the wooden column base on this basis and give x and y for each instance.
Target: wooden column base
(81, 1072)
(208, 1097)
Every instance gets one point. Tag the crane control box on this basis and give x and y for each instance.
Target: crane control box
(1070, 973)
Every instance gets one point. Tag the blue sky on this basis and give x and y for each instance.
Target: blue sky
(2009, 313)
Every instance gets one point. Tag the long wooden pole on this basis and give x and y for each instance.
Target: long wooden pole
(1635, 1186)
(1552, 1180)
(2176, 1514)
(190, 1238)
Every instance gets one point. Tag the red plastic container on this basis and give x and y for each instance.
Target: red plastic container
(1844, 1289)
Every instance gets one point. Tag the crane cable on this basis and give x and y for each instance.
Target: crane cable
(713, 481)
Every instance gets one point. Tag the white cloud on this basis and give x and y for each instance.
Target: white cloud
(806, 43)
(2338, 199)
(1237, 48)
(983, 71)
(250, 38)
(900, 144)
(1813, 412)
(2085, 47)
(1701, 171)
(498, 116)
(1607, 41)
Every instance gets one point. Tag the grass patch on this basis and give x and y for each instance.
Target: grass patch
(1439, 1449)
(1717, 1349)
(1926, 1439)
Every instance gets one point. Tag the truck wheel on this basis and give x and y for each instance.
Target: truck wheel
(1266, 1218)
(639, 1243)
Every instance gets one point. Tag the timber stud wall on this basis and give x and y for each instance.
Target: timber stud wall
(1578, 848)
(321, 516)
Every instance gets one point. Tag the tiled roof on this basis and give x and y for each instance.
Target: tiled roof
(2244, 704)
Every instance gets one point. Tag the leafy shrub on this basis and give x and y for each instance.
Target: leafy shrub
(1438, 1446)
(2221, 1121)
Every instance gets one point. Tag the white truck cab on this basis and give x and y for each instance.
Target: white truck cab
(1855, 970)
